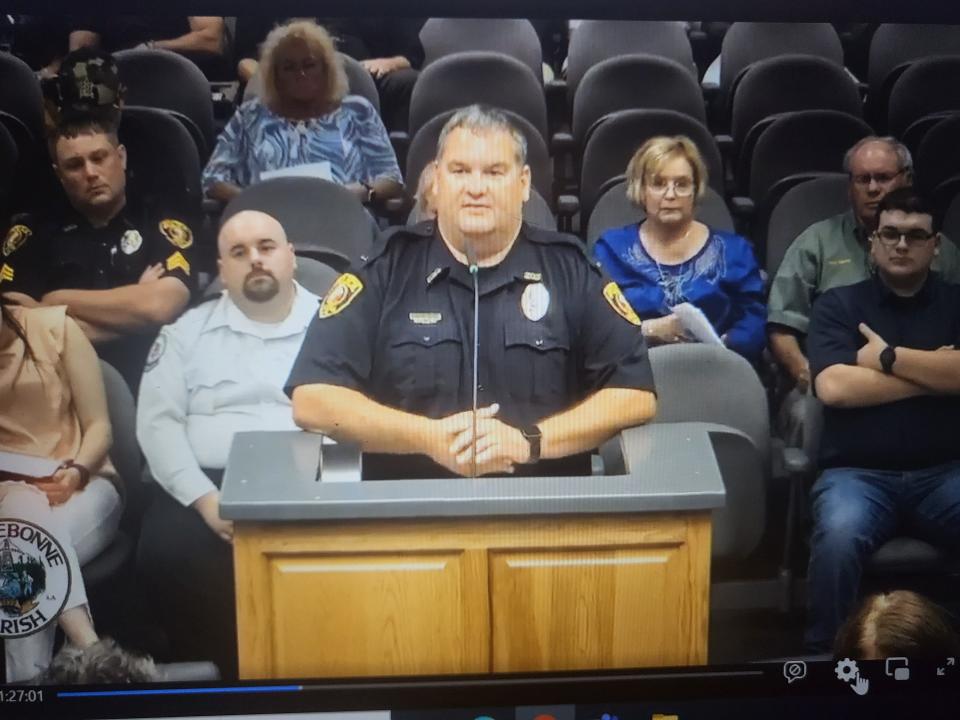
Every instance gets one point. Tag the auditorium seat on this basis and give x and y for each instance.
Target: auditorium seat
(938, 158)
(618, 136)
(8, 164)
(517, 38)
(20, 95)
(783, 84)
(893, 47)
(423, 149)
(710, 384)
(594, 41)
(163, 165)
(795, 147)
(615, 209)
(799, 208)
(126, 458)
(924, 94)
(644, 82)
(951, 219)
(359, 82)
(478, 77)
(748, 42)
(21, 114)
(170, 82)
(902, 556)
(317, 215)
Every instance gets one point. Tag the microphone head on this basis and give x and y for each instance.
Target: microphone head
(471, 256)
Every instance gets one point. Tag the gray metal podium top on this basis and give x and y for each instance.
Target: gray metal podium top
(274, 476)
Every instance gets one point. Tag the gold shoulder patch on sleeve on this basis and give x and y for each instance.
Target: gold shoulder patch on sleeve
(16, 236)
(344, 290)
(6, 273)
(177, 233)
(618, 302)
(177, 260)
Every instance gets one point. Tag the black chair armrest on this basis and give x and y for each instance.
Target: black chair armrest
(797, 463)
(561, 144)
(568, 205)
(743, 207)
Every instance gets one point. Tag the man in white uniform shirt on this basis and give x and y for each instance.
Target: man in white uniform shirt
(216, 371)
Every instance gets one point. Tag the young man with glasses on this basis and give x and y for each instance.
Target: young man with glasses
(884, 363)
(834, 252)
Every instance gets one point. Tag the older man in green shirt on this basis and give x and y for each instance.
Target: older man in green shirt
(835, 252)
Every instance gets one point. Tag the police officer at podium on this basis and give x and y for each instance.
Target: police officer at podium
(388, 363)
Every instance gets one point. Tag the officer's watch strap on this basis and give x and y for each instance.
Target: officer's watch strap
(533, 435)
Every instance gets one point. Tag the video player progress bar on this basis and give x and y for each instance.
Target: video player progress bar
(181, 691)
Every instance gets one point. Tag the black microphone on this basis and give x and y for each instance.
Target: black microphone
(474, 273)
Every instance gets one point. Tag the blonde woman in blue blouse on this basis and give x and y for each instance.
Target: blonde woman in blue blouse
(670, 258)
(303, 116)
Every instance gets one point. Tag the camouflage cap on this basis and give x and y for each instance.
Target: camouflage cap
(88, 84)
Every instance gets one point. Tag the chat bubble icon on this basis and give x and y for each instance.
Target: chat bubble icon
(794, 670)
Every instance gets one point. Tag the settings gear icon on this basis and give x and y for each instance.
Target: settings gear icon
(847, 670)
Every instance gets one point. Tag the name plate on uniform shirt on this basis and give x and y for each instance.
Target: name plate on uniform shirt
(319, 170)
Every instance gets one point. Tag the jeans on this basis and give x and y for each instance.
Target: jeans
(84, 526)
(855, 511)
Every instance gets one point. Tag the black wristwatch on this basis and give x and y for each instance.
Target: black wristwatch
(532, 434)
(888, 356)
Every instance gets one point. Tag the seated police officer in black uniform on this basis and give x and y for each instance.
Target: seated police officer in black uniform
(388, 362)
(121, 270)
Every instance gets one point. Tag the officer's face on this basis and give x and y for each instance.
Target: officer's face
(256, 261)
(479, 187)
(874, 171)
(904, 244)
(92, 171)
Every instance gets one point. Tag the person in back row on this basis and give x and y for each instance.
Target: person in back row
(388, 362)
(304, 117)
(885, 364)
(670, 258)
(836, 251)
(217, 371)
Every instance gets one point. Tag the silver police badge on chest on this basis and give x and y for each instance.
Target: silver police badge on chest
(131, 242)
(535, 301)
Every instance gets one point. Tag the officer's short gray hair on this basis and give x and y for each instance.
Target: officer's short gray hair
(484, 119)
(904, 158)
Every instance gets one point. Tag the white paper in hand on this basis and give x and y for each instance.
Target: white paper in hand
(319, 170)
(696, 324)
(28, 465)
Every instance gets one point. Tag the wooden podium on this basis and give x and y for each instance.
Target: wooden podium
(429, 577)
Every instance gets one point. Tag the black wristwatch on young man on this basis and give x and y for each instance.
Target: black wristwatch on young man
(533, 436)
(888, 356)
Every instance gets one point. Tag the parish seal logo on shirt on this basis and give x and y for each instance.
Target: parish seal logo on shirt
(34, 578)
(344, 290)
(618, 302)
(177, 233)
(16, 236)
(131, 241)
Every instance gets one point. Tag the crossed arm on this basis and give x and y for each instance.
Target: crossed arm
(915, 373)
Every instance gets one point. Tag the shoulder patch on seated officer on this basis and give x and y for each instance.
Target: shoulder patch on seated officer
(618, 302)
(177, 260)
(6, 273)
(344, 290)
(17, 235)
(177, 233)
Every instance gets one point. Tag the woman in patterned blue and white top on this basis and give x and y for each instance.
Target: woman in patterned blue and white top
(670, 258)
(304, 116)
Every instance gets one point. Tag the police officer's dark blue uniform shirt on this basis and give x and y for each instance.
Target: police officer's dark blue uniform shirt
(67, 252)
(553, 330)
(909, 434)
